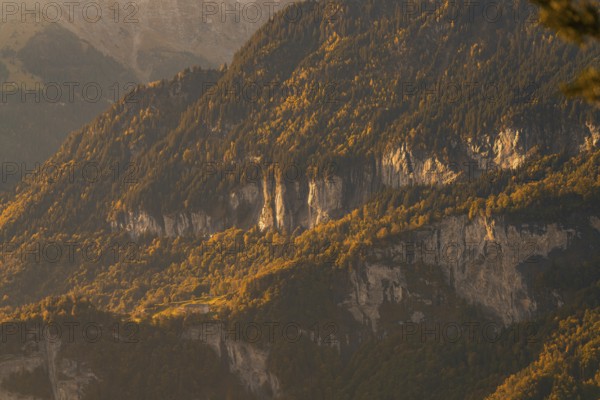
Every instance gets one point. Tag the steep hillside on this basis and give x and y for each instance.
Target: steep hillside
(566, 368)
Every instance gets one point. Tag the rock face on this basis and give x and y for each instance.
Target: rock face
(250, 366)
(67, 378)
(286, 204)
(373, 286)
(246, 361)
(401, 167)
(509, 150)
(482, 261)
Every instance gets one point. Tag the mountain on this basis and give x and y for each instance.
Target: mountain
(62, 64)
(359, 182)
(157, 39)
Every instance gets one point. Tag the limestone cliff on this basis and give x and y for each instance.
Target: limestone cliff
(303, 202)
(68, 378)
(245, 360)
(483, 261)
